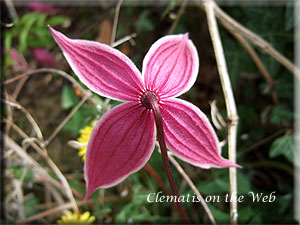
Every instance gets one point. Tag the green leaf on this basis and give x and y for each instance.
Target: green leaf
(40, 38)
(57, 20)
(145, 22)
(78, 121)
(283, 146)
(27, 22)
(68, 98)
(220, 183)
(243, 182)
(41, 21)
(249, 216)
(221, 217)
(281, 113)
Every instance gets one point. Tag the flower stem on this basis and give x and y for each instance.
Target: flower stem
(152, 101)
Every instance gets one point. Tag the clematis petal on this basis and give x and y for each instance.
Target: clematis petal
(120, 144)
(171, 66)
(190, 136)
(103, 69)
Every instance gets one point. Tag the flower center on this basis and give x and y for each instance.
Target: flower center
(148, 99)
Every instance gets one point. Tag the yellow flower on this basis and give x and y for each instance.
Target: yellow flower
(76, 218)
(84, 138)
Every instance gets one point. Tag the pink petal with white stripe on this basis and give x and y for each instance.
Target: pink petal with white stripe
(190, 136)
(103, 69)
(171, 66)
(120, 144)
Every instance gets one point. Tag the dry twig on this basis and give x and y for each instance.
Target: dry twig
(116, 18)
(12, 102)
(229, 100)
(43, 153)
(263, 70)
(55, 71)
(193, 187)
(178, 16)
(234, 27)
(31, 162)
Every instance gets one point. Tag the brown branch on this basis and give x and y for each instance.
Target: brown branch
(263, 141)
(52, 165)
(30, 161)
(12, 102)
(193, 187)
(179, 15)
(234, 27)
(55, 71)
(263, 70)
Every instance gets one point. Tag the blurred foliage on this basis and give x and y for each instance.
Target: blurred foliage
(266, 167)
(283, 146)
(30, 31)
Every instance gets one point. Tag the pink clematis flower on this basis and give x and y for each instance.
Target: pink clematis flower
(123, 140)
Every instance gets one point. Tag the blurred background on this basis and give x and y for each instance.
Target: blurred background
(48, 115)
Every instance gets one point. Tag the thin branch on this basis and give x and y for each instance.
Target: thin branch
(193, 187)
(60, 126)
(28, 116)
(52, 165)
(180, 13)
(263, 70)
(30, 161)
(15, 96)
(229, 100)
(234, 27)
(69, 205)
(55, 71)
(216, 117)
(115, 25)
(9, 114)
(262, 142)
(19, 87)
(124, 39)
